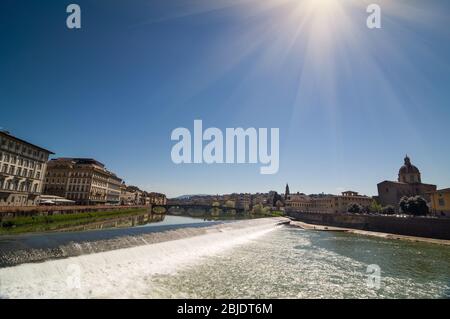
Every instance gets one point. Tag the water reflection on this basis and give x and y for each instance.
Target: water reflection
(119, 222)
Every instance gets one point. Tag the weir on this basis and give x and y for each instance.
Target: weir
(122, 261)
(15, 250)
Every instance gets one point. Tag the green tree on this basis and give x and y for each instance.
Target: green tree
(404, 204)
(259, 209)
(415, 205)
(354, 208)
(375, 207)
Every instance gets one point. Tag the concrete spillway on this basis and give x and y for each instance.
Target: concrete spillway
(109, 267)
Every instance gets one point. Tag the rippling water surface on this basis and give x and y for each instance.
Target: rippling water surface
(294, 263)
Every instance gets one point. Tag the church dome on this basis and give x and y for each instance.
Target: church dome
(408, 168)
(408, 173)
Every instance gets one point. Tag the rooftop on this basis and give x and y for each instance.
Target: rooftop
(7, 134)
(79, 160)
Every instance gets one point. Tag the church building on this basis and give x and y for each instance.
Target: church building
(409, 184)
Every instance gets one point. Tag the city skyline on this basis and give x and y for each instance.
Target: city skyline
(350, 102)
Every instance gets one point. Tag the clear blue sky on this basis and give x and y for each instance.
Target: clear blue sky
(349, 101)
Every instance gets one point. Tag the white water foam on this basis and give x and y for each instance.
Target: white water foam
(122, 273)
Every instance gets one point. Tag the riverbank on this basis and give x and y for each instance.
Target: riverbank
(55, 222)
(426, 227)
(23, 211)
(369, 233)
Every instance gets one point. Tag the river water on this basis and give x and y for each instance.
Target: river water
(244, 259)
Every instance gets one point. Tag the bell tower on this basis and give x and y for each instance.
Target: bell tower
(286, 192)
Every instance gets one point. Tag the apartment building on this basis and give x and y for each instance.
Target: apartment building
(22, 169)
(326, 203)
(83, 180)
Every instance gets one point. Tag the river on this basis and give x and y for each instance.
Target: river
(258, 258)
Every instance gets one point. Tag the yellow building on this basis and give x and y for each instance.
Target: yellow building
(440, 202)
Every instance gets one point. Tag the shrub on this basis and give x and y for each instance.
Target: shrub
(354, 208)
(415, 205)
(375, 207)
(388, 210)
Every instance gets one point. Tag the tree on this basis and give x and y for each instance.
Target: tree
(388, 210)
(404, 204)
(354, 208)
(259, 209)
(375, 207)
(279, 204)
(415, 205)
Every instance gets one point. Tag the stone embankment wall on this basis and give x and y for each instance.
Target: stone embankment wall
(428, 227)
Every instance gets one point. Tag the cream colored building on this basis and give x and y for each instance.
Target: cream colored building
(22, 170)
(114, 190)
(84, 180)
(157, 198)
(326, 203)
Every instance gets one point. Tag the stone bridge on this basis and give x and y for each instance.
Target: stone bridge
(198, 207)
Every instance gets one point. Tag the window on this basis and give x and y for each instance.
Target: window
(441, 202)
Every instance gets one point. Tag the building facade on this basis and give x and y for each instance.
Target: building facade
(440, 202)
(22, 169)
(409, 183)
(325, 203)
(83, 180)
(157, 198)
(114, 190)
